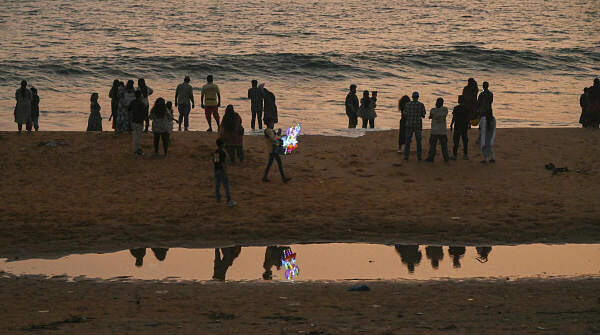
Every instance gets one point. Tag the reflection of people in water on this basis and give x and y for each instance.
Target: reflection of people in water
(160, 253)
(457, 253)
(410, 255)
(139, 254)
(483, 253)
(224, 258)
(273, 256)
(435, 253)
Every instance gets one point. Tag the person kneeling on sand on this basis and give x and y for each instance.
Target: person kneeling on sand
(273, 146)
(220, 160)
(438, 130)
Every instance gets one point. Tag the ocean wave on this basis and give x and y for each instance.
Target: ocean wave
(327, 65)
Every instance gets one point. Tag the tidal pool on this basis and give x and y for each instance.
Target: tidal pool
(323, 262)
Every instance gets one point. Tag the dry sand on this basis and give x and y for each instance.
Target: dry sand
(94, 195)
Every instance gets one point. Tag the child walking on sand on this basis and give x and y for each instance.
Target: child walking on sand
(219, 159)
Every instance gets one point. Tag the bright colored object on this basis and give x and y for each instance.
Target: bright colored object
(289, 262)
(289, 142)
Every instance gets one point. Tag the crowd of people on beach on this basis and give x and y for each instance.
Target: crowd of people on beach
(590, 106)
(473, 109)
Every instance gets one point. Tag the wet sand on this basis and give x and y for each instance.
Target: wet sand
(444, 307)
(94, 195)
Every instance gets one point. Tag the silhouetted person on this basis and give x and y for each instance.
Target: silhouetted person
(146, 92)
(367, 110)
(435, 254)
(584, 102)
(219, 159)
(184, 101)
(410, 255)
(232, 134)
(470, 95)
(113, 94)
(402, 128)
(594, 104)
(273, 256)
(460, 125)
(95, 119)
(24, 99)
(223, 260)
(35, 109)
(487, 124)
(210, 100)
(139, 254)
(256, 104)
(483, 252)
(352, 107)
(126, 96)
(160, 253)
(457, 253)
(273, 148)
(270, 107)
(139, 114)
(161, 125)
(438, 130)
(415, 112)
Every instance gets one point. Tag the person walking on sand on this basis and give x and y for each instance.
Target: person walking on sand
(270, 107)
(184, 101)
(146, 92)
(256, 104)
(22, 113)
(232, 134)
(469, 93)
(35, 109)
(415, 112)
(113, 94)
(220, 161)
(273, 147)
(95, 119)
(460, 126)
(352, 107)
(210, 100)
(139, 114)
(160, 125)
(126, 96)
(487, 124)
(438, 130)
(402, 127)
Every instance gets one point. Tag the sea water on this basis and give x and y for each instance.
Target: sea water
(537, 55)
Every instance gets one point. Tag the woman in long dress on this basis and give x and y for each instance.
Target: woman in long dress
(95, 119)
(24, 98)
(126, 96)
(232, 133)
(113, 94)
(270, 108)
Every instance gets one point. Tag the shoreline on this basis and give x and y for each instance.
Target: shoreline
(344, 189)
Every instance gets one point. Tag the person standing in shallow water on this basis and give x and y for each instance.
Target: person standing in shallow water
(594, 104)
(256, 104)
(35, 109)
(95, 119)
(460, 126)
(270, 107)
(24, 98)
(402, 127)
(438, 130)
(210, 100)
(415, 112)
(184, 101)
(487, 124)
(469, 93)
(352, 107)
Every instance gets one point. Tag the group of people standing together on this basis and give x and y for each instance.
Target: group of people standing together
(27, 108)
(590, 106)
(473, 109)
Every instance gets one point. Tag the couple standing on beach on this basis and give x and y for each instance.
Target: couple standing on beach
(27, 108)
(210, 100)
(464, 115)
(590, 106)
(366, 109)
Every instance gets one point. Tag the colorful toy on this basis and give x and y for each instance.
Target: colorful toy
(289, 262)
(289, 142)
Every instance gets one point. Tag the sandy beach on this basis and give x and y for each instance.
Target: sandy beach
(94, 195)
